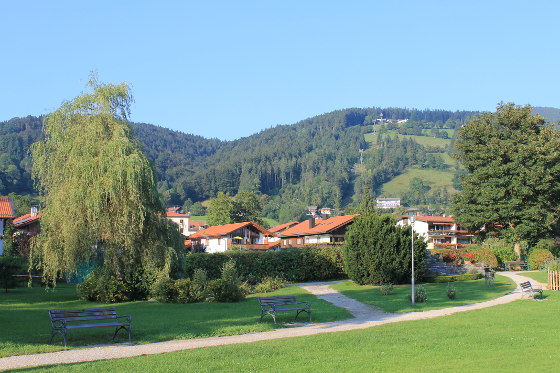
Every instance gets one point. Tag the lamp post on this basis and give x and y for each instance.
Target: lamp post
(411, 219)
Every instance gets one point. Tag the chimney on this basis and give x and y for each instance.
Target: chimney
(33, 211)
(311, 222)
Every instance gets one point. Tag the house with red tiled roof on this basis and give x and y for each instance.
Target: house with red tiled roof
(316, 231)
(438, 231)
(184, 222)
(282, 227)
(220, 238)
(29, 223)
(6, 212)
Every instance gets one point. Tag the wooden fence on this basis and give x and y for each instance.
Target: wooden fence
(553, 280)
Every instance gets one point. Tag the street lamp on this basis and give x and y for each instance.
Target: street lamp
(411, 219)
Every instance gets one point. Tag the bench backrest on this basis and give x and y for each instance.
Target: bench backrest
(526, 285)
(84, 314)
(275, 301)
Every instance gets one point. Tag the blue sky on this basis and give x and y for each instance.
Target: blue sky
(228, 69)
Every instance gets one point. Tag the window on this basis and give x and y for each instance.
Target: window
(298, 241)
(219, 241)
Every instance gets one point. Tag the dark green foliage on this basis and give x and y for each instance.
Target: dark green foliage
(501, 248)
(538, 258)
(451, 291)
(512, 185)
(550, 245)
(101, 286)
(225, 291)
(420, 294)
(296, 264)
(9, 266)
(377, 251)
(453, 278)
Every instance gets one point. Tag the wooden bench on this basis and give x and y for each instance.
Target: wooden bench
(526, 287)
(272, 305)
(517, 263)
(63, 320)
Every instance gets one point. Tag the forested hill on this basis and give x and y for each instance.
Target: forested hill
(315, 161)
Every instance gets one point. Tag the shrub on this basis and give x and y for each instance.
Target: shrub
(269, 284)
(386, 289)
(451, 291)
(501, 248)
(198, 286)
(463, 277)
(420, 294)
(550, 245)
(224, 291)
(9, 266)
(294, 264)
(553, 265)
(377, 251)
(101, 287)
(183, 291)
(539, 257)
(164, 290)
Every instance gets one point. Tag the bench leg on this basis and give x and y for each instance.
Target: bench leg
(128, 329)
(63, 334)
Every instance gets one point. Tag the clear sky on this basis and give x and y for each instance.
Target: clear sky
(228, 69)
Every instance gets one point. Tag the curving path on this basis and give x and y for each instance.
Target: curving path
(365, 316)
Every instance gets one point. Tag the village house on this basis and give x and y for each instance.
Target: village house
(29, 223)
(220, 238)
(185, 224)
(316, 231)
(6, 212)
(439, 231)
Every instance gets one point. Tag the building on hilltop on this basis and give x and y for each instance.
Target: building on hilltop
(387, 203)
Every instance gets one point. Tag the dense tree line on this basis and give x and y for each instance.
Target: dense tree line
(312, 162)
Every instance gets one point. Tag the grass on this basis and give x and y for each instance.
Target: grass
(401, 184)
(515, 337)
(25, 311)
(468, 292)
(271, 222)
(198, 217)
(541, 276)
(422, 140)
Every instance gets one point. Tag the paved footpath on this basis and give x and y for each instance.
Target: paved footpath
(365, 316)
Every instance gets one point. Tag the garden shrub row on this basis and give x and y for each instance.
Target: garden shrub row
(453, 278)
(481, 255)
(295, 264)
(538, 258)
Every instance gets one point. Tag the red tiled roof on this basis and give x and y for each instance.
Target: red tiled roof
(25, 220)
(6, 208)
(222, 230)
(172, 214)
(281, 227)
(321, 226)
(196, 224)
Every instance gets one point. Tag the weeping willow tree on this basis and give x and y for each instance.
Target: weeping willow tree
(101, 201)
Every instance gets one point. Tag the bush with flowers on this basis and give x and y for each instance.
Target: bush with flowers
(469, 257)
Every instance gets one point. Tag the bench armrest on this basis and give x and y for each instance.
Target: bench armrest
(128, 318)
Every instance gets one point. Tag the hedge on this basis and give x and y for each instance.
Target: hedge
(294, 264)
(539, 257)
(464, 277)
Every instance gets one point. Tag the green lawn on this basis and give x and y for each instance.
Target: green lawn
(401, 184)
(468, 292)
(25, 312)
(515, 337)
(422, 140)
(541, 276)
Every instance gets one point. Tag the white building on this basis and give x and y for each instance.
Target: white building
(438, 231)
(387, 203)
(220, 238)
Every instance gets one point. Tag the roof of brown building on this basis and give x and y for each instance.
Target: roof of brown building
(321, 226)
(6, 208)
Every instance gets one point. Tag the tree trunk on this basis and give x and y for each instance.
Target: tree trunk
(517, 249)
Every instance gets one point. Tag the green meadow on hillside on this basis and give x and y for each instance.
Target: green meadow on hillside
(400, 184)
